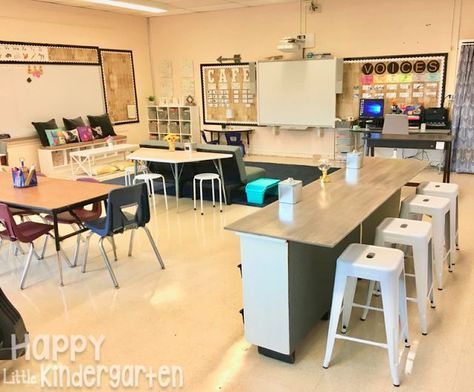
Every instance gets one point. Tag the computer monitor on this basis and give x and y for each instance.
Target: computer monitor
(371, 108)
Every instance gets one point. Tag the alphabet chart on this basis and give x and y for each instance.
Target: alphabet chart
(229, 94)
(412, 80)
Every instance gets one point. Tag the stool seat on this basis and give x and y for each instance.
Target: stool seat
(440, 188)
(425, 204)
(148, 176)
(207, 176)
(365, 261)
(399, 229)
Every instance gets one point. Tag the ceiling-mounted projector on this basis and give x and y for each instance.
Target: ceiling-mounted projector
(291, 44)
(295, 44)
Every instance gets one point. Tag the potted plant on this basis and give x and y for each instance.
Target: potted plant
(171, 138)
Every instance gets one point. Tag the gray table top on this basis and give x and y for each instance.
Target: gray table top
(329, 212)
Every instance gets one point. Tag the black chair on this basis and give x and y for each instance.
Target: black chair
(204, 137)
(234, 138)
(118, 220)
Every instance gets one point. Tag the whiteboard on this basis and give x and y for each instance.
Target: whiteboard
(300, 93)
(61, 91)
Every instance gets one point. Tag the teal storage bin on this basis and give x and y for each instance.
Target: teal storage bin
(257, 189)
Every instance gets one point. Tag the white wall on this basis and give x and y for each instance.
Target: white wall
(346, 28)
(29, 21)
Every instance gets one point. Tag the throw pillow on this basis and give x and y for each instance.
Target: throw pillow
(85, 134)
(97, 133)
(73, 123)
(103, 122)
(55, 137)
(71, 136)
(41, 128)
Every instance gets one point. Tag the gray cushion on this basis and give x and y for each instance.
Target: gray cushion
(254, 173)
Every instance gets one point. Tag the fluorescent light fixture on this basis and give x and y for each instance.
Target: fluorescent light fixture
(130, 6)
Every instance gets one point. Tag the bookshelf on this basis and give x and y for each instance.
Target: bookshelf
(180, 120)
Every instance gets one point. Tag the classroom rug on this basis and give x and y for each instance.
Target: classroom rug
(281, 171)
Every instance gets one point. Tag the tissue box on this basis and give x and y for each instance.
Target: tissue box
(290, 191)
(354, 160)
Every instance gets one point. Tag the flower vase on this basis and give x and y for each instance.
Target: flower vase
(171, 145)
(324, 177)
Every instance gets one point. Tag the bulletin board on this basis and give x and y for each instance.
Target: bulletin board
(229, 89)
(409, 81)
(119, 85)
(12, 52)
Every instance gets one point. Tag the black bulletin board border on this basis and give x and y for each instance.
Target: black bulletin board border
(213, 122)
(403, 56)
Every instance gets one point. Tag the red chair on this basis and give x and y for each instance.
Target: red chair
(83, 215)
(25, 232)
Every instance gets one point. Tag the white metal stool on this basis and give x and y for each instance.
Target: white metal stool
(148, 178)
(414, 207)
(450, 191)
(207, 177)
(386, 266)
(129, 171)
(416, 234)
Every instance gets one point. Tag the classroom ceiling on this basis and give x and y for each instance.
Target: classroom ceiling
(172, 7)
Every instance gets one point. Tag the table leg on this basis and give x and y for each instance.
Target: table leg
(57, 243)
(176, 184)
(372, 151)
(248, 138)
(447, 162)
(221, 174)
(135, 167)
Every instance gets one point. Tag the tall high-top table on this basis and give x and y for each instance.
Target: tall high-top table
(289, 252)
(430, 139)
(53, 196)
(177, 158)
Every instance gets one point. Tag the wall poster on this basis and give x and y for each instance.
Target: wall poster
(229, 94)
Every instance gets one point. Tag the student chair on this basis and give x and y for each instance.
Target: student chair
(395, 124)
(25, 232)
(235, 139)
(83, 215)
(127, 209)
(204, 137)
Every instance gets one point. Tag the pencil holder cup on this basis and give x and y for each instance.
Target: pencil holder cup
(24, 178)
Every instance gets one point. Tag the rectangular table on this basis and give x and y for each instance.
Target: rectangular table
(176, 158)
(53, 196)
(85, 159)
(289, 252)
(421, 141)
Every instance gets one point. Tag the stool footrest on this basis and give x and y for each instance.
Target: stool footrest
(367, 307)
(363, 341)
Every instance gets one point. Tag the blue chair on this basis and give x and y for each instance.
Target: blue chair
(204, 137)
(118, 220)
(235, 139)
